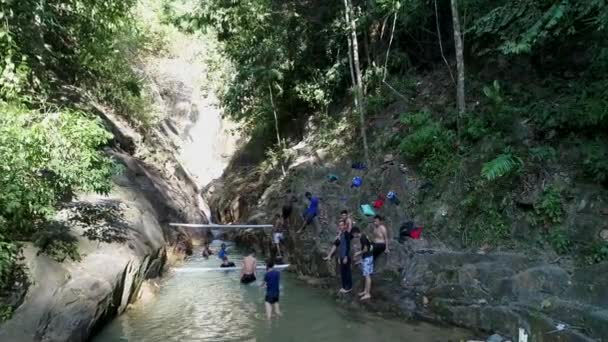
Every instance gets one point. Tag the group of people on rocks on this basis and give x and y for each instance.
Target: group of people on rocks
(365, 257)
(347, 258)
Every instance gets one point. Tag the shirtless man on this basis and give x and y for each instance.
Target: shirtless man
(380, 237)
(248, 270)
(346, 218)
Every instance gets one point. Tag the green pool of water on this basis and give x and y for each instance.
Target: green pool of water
(198, 305)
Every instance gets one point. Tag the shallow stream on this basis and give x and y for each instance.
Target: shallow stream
(196, 304)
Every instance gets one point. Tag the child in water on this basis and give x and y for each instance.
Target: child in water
(272, 281)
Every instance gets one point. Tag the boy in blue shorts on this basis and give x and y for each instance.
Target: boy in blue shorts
(367, 262)
(272, 281)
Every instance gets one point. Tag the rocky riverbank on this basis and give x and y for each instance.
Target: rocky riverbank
(492, 289)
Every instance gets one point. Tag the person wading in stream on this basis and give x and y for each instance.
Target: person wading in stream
(248, 270)
(380, 237)
(223, 251)
(227, 263)
(367, 262)
(272, 280)
(311, 211)
(207, 251)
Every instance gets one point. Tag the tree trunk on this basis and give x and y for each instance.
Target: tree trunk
(441, 44)
(276, 126)
(459, 59)
(388, 50)
(350, 20)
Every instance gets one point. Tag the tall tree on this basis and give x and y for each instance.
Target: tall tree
(459, 58)
(356, 71)
(276, 127)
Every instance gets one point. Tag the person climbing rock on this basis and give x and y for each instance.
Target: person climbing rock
(288, 202)
(272, 280)
(311, 211)
(227, 263)
(380, 237)
(248, 269)
(367, 262)
(277, 233)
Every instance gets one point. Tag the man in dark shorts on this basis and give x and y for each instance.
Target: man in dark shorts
(311, 212)
(380, 237)
(367, 262)
(227, 263)
(248, 270)
(288, 202)
(272, 280)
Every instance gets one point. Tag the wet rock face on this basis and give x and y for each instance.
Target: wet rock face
(121, 246)
(503, 292)
(433, 278)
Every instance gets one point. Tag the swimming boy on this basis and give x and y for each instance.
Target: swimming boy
(248, 270)
(223, 251)
(227, 263)
(367, 262)
(272, 279)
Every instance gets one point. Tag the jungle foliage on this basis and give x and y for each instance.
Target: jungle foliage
(535, 84)
(53, 56)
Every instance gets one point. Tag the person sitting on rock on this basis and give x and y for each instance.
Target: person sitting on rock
(227, 263)
(367, 262)
(311, 211)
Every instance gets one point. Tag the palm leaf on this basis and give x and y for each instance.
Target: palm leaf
(503, 164)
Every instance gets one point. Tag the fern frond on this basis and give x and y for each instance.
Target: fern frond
(503, 164)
